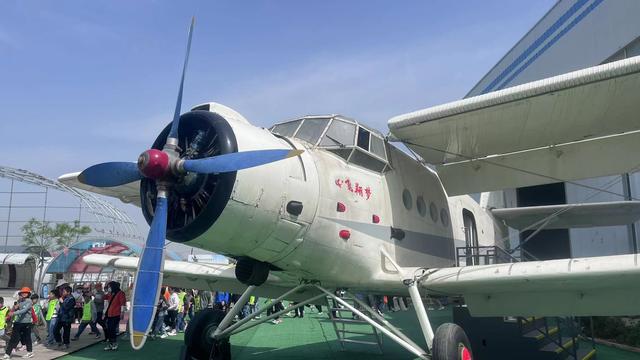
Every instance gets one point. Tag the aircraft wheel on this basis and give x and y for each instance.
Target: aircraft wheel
(451, 343)
(198, 341)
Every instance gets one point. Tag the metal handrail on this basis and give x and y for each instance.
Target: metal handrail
(483, 255)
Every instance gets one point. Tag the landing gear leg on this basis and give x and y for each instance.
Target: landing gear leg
(449, 342)
(423, 318)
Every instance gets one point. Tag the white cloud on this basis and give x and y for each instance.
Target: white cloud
(370, 86)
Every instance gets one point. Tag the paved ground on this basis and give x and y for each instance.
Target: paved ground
(44, 353)
(310, 338)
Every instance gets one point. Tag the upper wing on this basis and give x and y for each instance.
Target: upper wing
(578, 125)
(567, 216)
(128, 193)
(595, 286)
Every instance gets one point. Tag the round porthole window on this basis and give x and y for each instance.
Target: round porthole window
(422, 207)
(444, 217)
(433, 212)
(406, 199)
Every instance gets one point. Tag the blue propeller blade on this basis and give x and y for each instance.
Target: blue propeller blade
(173, 133)
(110, 174)
(237, 161)
(146, 291)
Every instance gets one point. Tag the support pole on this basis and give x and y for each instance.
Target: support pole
(235, 310)
(6, 235)
(631, 228)
(383, 320)
(224, 332)
(423, 318)
(416, 351)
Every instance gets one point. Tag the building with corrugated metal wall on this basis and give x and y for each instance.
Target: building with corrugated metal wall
(572, 35)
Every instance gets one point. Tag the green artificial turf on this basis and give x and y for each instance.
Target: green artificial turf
(610, 353)
(310, 338)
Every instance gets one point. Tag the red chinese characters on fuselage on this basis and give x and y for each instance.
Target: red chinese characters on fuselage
(354, 187)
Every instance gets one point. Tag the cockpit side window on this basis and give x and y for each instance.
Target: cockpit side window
(377, 147)
(367, 161)
(363, 138)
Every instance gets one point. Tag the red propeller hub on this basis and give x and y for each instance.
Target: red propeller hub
(153, 163)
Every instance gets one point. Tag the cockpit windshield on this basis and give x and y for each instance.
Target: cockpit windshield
(311, 129)
(340, 133)
(341, 136)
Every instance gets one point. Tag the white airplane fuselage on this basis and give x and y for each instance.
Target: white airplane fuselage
(349, 213)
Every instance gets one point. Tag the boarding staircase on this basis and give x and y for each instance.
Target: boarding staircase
(546, 338)
(558, 337)
(350, 329)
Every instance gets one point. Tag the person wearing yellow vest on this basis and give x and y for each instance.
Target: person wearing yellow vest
(89, 317)
(181, 307)
(3, 316)
(51, 316)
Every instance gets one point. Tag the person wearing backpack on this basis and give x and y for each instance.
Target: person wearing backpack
(24, 316)
(39, 319)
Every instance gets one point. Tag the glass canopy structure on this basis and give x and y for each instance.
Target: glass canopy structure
(342, 136)
(69, 264)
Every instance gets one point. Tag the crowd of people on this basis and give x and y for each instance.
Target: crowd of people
(23, 324)
(176, 307)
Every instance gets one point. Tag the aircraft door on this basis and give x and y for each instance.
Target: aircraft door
(471, 237)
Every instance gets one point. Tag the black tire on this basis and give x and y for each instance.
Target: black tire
(198, 341)
(450, 343)
(184, 353)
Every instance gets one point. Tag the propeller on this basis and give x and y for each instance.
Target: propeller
(236, 161)
(110, 174)
(146, 290)
(166, 167)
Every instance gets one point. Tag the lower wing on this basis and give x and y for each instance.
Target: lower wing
(597, 286)
(213, 277)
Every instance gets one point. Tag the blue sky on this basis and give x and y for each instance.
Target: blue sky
(86, 82)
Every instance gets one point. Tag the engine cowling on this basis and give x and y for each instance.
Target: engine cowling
(260, 213)
(197, 200)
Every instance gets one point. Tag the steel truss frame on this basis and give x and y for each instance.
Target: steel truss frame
(104, 212)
